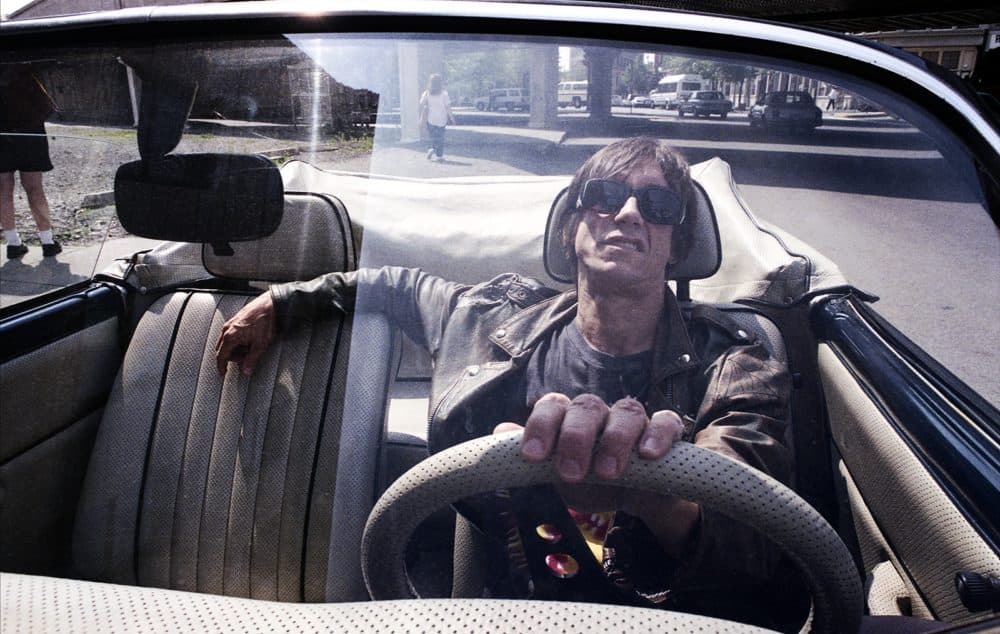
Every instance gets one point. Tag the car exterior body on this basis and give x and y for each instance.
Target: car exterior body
(704, 103)
(142, 489)
(572, 93)
(790, 110)
(671, 90)
(641, 101)
(504, 99)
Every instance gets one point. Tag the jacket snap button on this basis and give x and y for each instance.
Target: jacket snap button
(473, 370)
(684, 358)
(501, 333)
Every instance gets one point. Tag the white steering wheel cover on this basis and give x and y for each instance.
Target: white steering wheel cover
(733, 488)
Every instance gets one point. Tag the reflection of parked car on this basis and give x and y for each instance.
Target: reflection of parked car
(504, 99)
(704, 103)
(793, 110)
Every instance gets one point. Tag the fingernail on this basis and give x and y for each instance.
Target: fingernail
(570, 469)
(533, 449)
(651, 445)
(607, 466)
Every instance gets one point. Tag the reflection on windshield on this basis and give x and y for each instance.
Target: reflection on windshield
(846, 175)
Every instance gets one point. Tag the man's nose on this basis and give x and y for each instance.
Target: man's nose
(629, 213)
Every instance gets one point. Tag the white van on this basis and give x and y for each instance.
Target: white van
(673, 89)
(572, 93)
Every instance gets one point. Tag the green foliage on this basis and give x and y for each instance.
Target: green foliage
(472, 74)
(638, 78)
(712, 71)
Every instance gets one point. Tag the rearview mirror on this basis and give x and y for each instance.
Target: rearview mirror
(213, 198)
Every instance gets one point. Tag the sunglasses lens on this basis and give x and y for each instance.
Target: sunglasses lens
(661, 206)
(658, 205)
(603, 195)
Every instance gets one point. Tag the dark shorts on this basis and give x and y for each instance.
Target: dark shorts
(24, 151)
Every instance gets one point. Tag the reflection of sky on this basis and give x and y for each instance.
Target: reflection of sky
(358, 63)
(10, 6)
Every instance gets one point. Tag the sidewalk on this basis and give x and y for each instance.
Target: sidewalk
(34, 275)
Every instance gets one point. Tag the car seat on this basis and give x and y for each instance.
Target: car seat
(243, 486)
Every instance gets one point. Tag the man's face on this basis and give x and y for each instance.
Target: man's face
(620, 246)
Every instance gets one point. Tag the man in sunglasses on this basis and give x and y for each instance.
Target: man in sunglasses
(593, 374)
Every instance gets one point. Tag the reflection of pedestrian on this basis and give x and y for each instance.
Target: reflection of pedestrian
(832, 97)
(24, 148)
(435, 113)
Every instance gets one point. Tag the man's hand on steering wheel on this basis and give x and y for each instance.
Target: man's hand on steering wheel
(583, 433)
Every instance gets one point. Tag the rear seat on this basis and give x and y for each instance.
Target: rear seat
(230, 485)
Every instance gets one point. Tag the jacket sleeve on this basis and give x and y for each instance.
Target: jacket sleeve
(415, 301)
(743, 416)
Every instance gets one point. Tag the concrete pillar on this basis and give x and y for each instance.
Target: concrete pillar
(544, 87)
(417, 60)
(599, 64)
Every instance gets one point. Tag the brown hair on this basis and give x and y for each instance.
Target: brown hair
(435, 84)
(620, 158)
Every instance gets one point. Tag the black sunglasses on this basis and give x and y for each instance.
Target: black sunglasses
(657, 205)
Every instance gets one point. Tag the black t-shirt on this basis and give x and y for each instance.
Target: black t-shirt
(567, 364)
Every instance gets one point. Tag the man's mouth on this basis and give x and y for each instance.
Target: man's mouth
(625, 243)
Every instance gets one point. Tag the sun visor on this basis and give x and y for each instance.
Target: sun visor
(210, 198)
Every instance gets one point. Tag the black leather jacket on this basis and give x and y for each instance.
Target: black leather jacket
(733, 396)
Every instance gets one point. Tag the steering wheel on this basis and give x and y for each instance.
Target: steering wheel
(730, 487)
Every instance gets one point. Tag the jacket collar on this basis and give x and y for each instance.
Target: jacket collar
(672, 349)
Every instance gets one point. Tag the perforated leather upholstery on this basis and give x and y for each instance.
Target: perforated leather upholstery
(44, 604)
(227, 484)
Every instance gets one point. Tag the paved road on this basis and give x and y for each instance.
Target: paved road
(873, 194)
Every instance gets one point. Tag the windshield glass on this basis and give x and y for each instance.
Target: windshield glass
(534, 219)
(907, 218)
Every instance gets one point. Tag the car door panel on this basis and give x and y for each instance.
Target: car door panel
(904, 508)
(57, 367)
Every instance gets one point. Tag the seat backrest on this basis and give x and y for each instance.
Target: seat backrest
(228, 485)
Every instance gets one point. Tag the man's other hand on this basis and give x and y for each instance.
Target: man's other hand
(247, 335)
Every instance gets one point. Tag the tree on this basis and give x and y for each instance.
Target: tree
(636, 76)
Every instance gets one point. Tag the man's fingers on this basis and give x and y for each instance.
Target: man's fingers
(626, 423)
(585, 418)
(663, 429)
(224, 349)
(503, 428)
(249, 362)
(542, 427)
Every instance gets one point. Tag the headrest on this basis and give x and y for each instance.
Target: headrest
(702, 260)
(314, 237)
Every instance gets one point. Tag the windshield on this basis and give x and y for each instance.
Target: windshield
(351, 106)
(255, 279)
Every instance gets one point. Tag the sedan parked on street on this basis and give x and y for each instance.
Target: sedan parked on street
(789, 110)
(641, 101)
(705, 103)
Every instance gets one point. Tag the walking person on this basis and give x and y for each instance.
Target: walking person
(832, 98)
(24, 148)
(435, 113)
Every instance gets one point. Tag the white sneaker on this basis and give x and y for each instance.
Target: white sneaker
(430, 154)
